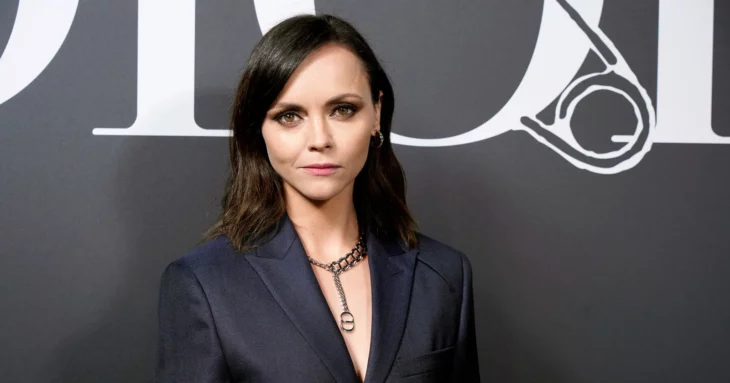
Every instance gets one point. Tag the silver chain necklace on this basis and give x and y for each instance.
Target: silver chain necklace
(347, 320)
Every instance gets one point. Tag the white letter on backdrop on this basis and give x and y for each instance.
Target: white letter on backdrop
(166, 66)
(40, 28)
(165, 72)
(559, 53)
(684, 73)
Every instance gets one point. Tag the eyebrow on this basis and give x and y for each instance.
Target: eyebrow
(332, 101)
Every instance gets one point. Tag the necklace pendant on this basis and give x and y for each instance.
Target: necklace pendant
(347, 321)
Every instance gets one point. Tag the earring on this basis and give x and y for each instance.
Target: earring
(381, 140)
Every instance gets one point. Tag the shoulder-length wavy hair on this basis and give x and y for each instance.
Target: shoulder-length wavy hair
(253, 202)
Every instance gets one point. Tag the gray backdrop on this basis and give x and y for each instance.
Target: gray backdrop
(579, 276)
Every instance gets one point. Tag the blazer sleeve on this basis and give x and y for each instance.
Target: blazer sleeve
(466, 357)
(188, 347)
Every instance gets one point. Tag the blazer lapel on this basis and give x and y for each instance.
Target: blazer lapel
(391, 275)
(283, 266)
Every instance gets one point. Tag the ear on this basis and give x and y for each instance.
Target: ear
(378, 106)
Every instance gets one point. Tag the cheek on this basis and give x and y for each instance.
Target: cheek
(359, 137)
(358, 149)
(280, 150)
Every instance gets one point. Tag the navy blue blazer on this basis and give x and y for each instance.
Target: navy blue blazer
(260, 315)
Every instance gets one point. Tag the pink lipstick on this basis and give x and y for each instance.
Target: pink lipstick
(321, 169)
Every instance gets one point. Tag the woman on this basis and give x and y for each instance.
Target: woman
(314, 271)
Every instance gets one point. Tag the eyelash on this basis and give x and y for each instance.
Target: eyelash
(353, 109)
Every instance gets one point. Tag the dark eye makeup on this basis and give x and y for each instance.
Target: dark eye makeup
(350, 110)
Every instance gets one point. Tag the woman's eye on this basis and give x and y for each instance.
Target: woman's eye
(344, 111)
(287, 118)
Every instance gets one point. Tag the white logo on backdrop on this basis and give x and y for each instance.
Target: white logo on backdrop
(30, 49)
(165, 88)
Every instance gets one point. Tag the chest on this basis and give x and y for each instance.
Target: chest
(356, 287)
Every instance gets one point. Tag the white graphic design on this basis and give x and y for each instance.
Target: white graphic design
(165, 72)
(557, 135)
(40, 28)
(559, 53)
(270, 13)
(684, 73)
(568, 32)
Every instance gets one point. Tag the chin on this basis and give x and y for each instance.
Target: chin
(320, 192)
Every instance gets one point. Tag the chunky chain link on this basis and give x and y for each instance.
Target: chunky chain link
(346, 262)
(347, 321)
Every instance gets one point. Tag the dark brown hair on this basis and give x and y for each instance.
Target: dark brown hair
(253, 203)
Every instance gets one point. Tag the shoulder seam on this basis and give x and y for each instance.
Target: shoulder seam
(452, 289)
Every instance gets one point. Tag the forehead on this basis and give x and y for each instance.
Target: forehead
(329, 71)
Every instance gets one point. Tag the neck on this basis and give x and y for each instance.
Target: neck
(327, 229)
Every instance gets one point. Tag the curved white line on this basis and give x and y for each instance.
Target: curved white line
(559, 53)
(41, 26)
(271, 12)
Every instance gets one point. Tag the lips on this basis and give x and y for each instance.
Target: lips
(321, 169)
(321, 166)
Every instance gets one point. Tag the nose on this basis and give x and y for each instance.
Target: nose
(320, 137)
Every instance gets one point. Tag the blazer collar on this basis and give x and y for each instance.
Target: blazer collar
(285, 270)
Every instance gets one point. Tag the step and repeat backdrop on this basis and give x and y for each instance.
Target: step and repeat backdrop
(578, 151)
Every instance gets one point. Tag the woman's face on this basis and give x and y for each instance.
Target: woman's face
(318, 131)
